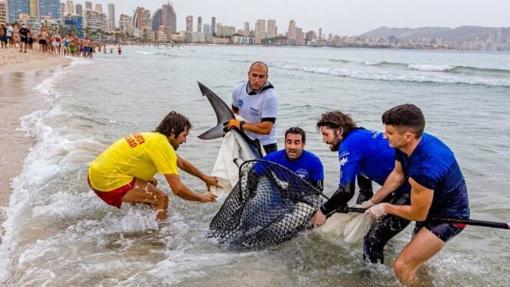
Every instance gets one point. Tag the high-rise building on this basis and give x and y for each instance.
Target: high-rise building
(79, 9)
(15, 8)
(69, 7)
(260, 31)
(50, 8)
(62, 12)
(213, 26)
(310, 36)
(141, 18)
(246, 28)
(156, 20)
(125, 24)
(272, 31)
(95, 20)
(291, 34)
(207, 29)
(98, 8)
(300, 36)
(3, 12)
(74, 23)
(189, 24)
(111, 15)
(34, 9)
(88, 5)
(199, 24)
(320, 33)
(168, 17)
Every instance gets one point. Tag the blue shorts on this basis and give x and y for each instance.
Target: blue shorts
(444, 231)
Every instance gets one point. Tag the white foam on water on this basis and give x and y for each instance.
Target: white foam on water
(145, 53)
(43, 162)
(426, 75)
(431, 68)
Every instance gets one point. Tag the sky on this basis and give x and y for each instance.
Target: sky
(342, 17)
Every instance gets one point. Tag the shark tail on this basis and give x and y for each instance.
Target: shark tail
(222, 111)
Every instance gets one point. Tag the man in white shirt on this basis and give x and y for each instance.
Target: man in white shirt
(256, 101)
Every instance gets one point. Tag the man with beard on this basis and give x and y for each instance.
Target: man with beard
(294, 157)
(365, 155)
(125, 171)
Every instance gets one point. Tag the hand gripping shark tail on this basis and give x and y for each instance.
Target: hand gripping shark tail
(224, 114)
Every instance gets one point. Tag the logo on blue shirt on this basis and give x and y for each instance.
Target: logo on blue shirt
(240, 103)
(303, 173)
(343, 158)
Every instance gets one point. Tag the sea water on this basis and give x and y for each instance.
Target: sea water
(58, 232)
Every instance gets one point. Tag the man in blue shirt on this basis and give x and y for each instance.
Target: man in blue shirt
(437, 188)
(294, 157)
(365, 155)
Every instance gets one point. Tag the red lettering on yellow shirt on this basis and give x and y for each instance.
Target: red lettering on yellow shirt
(134, 140)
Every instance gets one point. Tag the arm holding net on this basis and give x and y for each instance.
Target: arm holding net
(339, 199)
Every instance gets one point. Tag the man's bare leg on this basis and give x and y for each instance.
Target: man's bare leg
(422, 247)
(145, 192)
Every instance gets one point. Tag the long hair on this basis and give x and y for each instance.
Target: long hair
(173, 123)
(337, 120)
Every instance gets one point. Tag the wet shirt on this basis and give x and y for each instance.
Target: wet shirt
(253, 108)
(308, 166)
(139, 155)
(433, 165)
(367, 153)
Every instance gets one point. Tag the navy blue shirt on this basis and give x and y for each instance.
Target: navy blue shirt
(433, 165)
(308, 166)
(367, 153)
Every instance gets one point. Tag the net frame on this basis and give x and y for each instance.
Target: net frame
(270, 204)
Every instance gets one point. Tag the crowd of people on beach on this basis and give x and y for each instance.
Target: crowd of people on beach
(14, 36)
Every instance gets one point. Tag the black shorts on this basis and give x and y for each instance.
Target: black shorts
(444, 231)
(23, 39)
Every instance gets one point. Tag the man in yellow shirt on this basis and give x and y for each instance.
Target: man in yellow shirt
(125, 171)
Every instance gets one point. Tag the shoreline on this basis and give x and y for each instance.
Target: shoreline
(20, 73)
(13, 61)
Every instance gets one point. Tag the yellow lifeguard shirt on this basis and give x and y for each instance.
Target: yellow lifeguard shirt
(139, 155)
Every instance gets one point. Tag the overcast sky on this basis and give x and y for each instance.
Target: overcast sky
(343, 17)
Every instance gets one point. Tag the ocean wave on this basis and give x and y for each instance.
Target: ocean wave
(145, 53)
(240, 61)
(430, 68)
(400, 77)
(468, 70)
(339, 60)
(386, 64)
(477, 70)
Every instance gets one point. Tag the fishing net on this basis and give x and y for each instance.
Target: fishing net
(269, 205)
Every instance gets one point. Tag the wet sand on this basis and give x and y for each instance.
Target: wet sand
(20, 73)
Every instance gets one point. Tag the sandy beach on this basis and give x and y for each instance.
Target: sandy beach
(20, 73)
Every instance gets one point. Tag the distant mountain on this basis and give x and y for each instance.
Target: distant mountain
(461, 34)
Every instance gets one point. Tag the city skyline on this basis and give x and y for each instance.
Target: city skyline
(344, 17)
